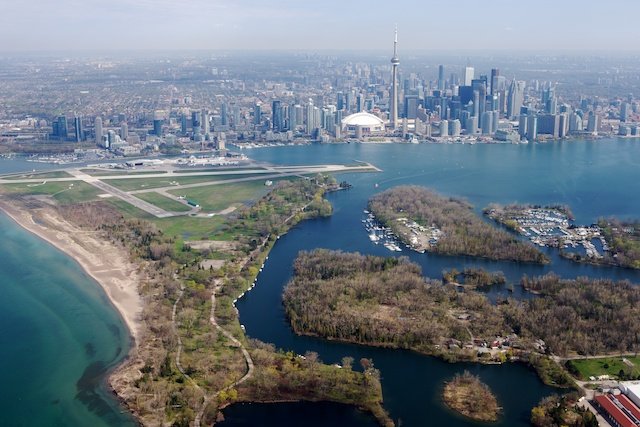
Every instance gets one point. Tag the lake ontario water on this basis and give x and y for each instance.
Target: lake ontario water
(59, 335)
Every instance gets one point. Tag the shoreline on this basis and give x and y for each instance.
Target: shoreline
(117, 277)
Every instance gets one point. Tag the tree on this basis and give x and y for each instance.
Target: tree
(366, 364)
(166, 369)
(347, 362)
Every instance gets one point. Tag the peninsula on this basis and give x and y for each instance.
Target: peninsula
(174, 271)
(609, 242)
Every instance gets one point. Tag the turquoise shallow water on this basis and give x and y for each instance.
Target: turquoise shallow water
(59, 335)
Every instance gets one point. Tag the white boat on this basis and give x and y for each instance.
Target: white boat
(392, 247)
(374, 237)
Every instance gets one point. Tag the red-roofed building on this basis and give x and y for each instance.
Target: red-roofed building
(627, 403)
(617, 417)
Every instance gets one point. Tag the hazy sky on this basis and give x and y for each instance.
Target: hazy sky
(319, 24)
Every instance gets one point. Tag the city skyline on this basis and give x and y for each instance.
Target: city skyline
(288, 25)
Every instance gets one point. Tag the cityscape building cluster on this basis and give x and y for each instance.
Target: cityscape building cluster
(260, 99)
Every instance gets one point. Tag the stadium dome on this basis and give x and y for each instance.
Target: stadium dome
(362, 125)
(363, 119)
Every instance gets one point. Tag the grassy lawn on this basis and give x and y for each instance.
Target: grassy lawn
(41, 175)
(128, 210)
(218, 197)
(181, 227)
(604, 366)
(63, 192)
(193, 228)
(164, 202)
(190, 228)
(133, 184)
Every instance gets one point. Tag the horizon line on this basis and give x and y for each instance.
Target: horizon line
(448, 51)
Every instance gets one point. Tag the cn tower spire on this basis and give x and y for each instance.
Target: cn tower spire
(395, 43)
(394, 83)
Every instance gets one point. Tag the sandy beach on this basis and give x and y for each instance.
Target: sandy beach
(104, 262)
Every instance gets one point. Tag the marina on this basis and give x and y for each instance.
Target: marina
(379, 234)
(551, 227)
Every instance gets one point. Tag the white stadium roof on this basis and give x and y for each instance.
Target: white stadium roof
(362, 119)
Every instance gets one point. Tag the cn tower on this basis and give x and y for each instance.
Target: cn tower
(394, 82)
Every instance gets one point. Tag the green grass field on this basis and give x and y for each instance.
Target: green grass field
(164, 202)
(63, 192)
(129, 211)
(190, 228)
(218, 197)
(193, 228)
(132, 184)
(181, 227)
(40, 175)
(611, 366)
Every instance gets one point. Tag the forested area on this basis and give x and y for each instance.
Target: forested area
(557, 411)
(587, 316)
(387, 302)
(292, 377)
(624, 242)
(465, 233)
(381, 301)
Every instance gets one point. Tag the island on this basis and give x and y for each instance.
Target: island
(469, 396)
(174, 256)
(608, 242)
(427, 221)
(474, 278)
(387, 302)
